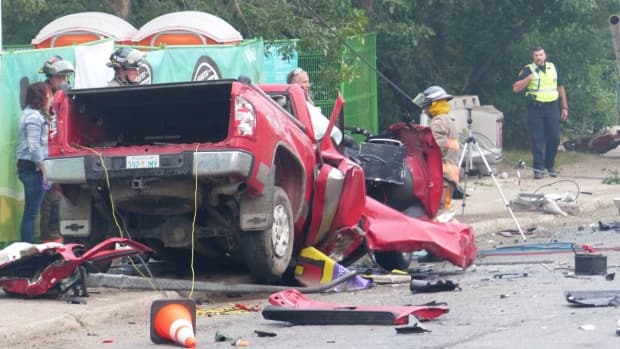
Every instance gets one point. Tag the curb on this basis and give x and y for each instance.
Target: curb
(55, 317)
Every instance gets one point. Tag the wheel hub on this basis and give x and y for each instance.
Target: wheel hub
(280, 231)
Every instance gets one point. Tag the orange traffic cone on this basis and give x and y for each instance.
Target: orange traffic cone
(174, 320)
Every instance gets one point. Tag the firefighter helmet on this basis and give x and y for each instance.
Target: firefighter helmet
(431, 94)
(126, 58)
(56, 66)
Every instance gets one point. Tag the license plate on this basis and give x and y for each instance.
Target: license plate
(142, 161)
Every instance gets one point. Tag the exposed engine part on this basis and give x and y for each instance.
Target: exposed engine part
(177, 231)
(225, 189)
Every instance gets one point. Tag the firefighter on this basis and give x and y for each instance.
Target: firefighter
(434, 102)
(125, 61)
(57, 71)
(546, 106)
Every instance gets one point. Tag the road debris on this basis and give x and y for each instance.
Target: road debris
(221, 337)
(413, 327)
(510, 275)
(593, 298)
(601, 142)
(423, 286)
(587, 327)
(381, 279)
(314, 268)
(240, 343)
(590, 264)
(35, 270)
(294, 307)
(558, 204)
(265, 333)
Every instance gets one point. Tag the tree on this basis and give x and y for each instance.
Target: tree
(468, 47)
(478, 46)
(311, 22)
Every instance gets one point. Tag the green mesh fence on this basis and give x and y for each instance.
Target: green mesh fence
(360, 94)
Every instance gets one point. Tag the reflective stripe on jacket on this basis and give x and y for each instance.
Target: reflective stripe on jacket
(544, 86)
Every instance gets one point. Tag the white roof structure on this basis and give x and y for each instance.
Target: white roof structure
(103, 24)
(196, 22)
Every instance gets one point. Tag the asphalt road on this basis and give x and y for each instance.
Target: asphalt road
(489, 312)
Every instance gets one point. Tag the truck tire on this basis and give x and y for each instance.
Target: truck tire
(268, 253)
(389, 260)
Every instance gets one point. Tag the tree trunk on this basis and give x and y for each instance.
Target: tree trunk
(367, 5)
(121, 8)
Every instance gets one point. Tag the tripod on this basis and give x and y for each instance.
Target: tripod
(467, 149)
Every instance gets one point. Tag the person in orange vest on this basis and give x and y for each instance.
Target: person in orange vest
(434, 102)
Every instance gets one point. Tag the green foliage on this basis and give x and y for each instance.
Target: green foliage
(22, 19)
(612, 178)
(315, 23)
(478, 47)
(468, 47)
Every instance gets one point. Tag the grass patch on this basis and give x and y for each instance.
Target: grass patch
(513, 156)
(613, 178)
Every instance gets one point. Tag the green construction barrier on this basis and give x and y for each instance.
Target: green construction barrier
(360, 94)
(20, 67)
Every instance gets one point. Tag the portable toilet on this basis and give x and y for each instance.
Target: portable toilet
(186, 28)
(84, 27)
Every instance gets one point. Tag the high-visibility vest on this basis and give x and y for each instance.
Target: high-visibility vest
(544, 86)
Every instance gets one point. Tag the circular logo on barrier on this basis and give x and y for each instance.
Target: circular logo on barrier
(206, 69)
(145, 74)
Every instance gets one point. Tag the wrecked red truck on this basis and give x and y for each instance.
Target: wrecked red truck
(226, 168)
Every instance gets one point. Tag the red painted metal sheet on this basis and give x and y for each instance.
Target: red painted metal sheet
(390, 230)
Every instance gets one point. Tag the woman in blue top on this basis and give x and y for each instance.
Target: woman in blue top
(32, 150)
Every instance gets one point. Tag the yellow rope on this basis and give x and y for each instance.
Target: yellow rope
(232, 309)
(118, 226)
(195, 161)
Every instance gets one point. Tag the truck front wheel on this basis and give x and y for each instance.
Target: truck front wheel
(268, 252)
(399, 260)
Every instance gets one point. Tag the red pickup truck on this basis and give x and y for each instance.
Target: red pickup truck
(223, 167)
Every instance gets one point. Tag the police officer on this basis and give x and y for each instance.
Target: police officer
(125, 61)
(57, 71)
(546, 106)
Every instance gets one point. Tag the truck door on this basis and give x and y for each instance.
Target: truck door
(340, 192)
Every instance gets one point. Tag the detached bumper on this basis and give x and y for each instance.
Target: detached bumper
(83, 169)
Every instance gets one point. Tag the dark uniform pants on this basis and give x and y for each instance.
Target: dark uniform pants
(543, 122)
